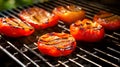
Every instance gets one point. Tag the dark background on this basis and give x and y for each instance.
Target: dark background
(8, 4)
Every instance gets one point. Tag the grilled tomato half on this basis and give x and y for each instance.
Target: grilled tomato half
(56, 44)
(38, 17)
(87, 30)
(69, 13)
(14, 27)
(108, 20)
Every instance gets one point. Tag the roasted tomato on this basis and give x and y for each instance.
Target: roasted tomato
(108, 20)
(87, 31)
(70, 13)
(14, 27)
(38, 17)
(56, 44)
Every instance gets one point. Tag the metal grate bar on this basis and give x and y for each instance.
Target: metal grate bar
(8, 13)
(113, 50)
(22, 53)
(98, 57)
(14, 13)
(38, 55)
(13, 57)
(63, 26)
(99, 6)
(43, 6)
(118, 34)
(116, 43)
(63, 63)
(3, 14)
(70, 60)
(91, 9)
(107, 54)
(88, 60)
(20, 8)
(50, 6)
(76, 62)
(16, 10)
(112, 36)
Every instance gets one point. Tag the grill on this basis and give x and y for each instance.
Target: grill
(24, 52)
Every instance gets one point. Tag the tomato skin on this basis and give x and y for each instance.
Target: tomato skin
(12, 31)
(54, 51)
(41, 15)
(52, 22)
(87, 35)
(68, 14)
(108, 23)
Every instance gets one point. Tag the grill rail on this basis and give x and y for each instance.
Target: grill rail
(24, 50)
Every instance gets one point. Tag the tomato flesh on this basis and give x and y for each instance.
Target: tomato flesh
(87, 31)
(108, 20)
(13, 27)
(39, 18)
(70, 13)
(56, 44)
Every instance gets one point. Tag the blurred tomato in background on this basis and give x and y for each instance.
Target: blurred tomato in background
(8, 4)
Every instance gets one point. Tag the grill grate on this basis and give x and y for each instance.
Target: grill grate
(24, 51)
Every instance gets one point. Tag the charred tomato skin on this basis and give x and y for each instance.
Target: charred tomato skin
(108, 20)
(39, 16)
(82, 32)
(69, 13)
(13, 31)
(53, 49)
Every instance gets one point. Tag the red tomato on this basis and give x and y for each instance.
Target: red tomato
(38, 18)
(56, 44)
(14, 27)
(108, 20)
(69, 14)
(87, 31)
